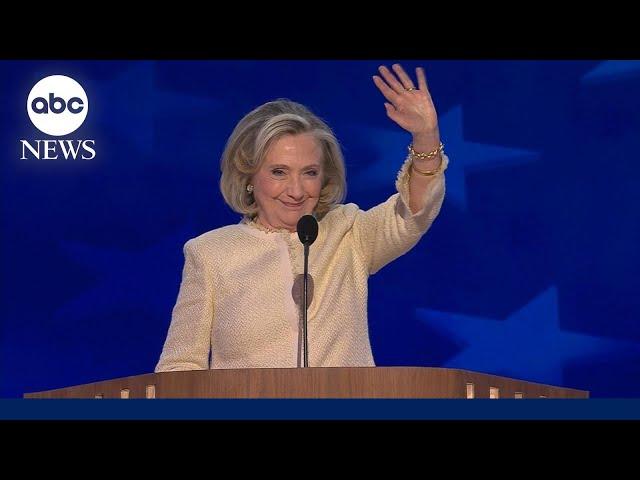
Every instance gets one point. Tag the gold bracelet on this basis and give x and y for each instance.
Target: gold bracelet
(431, 154)
(429, 173)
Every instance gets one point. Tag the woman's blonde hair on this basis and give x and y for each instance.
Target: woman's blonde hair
(250, 140)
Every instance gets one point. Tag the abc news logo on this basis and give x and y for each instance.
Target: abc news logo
(57, 106)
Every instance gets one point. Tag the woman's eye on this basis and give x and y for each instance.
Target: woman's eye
(277, 171)
(313, 173)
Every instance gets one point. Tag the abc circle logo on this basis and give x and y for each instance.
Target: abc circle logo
(57, 105)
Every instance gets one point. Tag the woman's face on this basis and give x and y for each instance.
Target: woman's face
(289, 181)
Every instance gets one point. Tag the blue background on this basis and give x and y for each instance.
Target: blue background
(530, 271)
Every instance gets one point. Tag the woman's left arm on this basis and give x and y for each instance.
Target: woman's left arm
(386, 231)
(412, 109)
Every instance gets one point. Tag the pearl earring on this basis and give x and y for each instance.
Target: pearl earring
(250, 188)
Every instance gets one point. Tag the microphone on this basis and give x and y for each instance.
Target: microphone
(307, 233)
(307, 229)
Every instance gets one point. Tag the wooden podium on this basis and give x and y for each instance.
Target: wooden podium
(362, 382)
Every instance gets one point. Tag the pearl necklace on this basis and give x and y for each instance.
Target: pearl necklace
(256, 224)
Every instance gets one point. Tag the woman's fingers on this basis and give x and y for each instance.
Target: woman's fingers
(391, 79)
(407, 83)
(422, 79)
(388, 92)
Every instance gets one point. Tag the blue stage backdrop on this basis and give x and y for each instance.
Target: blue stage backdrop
(530, 271)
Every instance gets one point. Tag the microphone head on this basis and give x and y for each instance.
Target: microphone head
(307, 229)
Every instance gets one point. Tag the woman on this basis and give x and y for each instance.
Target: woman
(237, 302)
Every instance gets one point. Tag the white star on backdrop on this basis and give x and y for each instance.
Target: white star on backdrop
(528, 345)
(134, 101)
(132, 279)
(612, 70)
(391, 146)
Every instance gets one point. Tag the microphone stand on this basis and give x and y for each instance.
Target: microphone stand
(307, 229)
(304, 303)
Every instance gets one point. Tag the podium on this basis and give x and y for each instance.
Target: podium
(329, 382)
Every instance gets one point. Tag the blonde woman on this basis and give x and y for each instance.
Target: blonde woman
(236, 307)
